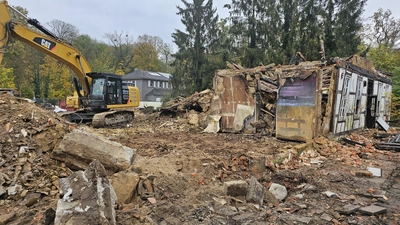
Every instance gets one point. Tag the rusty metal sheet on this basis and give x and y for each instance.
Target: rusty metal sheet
(231, 91)
(296, 112)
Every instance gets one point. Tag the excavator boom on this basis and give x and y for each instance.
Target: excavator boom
(102, 91)
(45, 43)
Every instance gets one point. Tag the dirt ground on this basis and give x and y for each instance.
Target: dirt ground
(190, 168)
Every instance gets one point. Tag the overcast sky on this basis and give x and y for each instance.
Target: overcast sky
(134, 17)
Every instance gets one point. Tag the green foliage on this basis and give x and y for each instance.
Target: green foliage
(193, 68)
(121, 50)
(96, 53)
(250, 21)
(396, 82)
(395, 107)
(6, 78)
(267, 31)
(145, 58)
(384, 58)
(345, 26)
(388, 60)
(278, 160)
(56, 79)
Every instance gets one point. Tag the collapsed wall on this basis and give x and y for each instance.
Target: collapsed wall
(294, 102)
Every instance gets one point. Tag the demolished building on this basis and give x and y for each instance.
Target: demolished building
(299, 102)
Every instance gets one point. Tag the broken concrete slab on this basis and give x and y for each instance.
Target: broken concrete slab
(124, 184)
(79, 148)
(87, 197)
(326, 217)
(279, 191)
(244, 218)
(331, 194)
(291, 217)
(213, 124)
(255, 192)
(235, 188)
(193, 118)
(372, 210)
(226, 211)
(349, 209)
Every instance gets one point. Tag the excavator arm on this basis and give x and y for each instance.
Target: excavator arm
(102, 91)
(42, 41)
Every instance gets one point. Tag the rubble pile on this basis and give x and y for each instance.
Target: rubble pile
(28, 178)
(165, 170)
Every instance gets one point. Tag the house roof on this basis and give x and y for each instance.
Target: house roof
(158, 92)
(146, 75)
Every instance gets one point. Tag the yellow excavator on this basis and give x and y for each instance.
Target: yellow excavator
(105, 99)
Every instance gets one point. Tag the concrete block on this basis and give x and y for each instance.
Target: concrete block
(235, 188)
(256, 192)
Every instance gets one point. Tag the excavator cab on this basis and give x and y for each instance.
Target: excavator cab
(106, 90)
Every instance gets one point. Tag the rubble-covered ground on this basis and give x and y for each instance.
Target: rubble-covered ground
(323, 182)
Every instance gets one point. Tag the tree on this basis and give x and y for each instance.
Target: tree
(156, 41)
(98, 54)
(344, 18)
(145, 57)
(310, 29)
(56, 79)
(18, 58)
(6, 77)
(396, 81)
(163, 49)
(63, 30)
(249, 24)
(165, 54)
(384, 58)
(199, 40)
(122, 51)
(383, 29)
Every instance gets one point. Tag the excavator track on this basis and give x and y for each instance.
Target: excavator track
(112, 118)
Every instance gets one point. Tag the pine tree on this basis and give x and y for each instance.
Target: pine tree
(343, 24)
(249, 26)
(194, 71)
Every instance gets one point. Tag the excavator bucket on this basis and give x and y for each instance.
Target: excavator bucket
(4, 18)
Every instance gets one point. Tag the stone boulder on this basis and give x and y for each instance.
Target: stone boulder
(125, 184)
